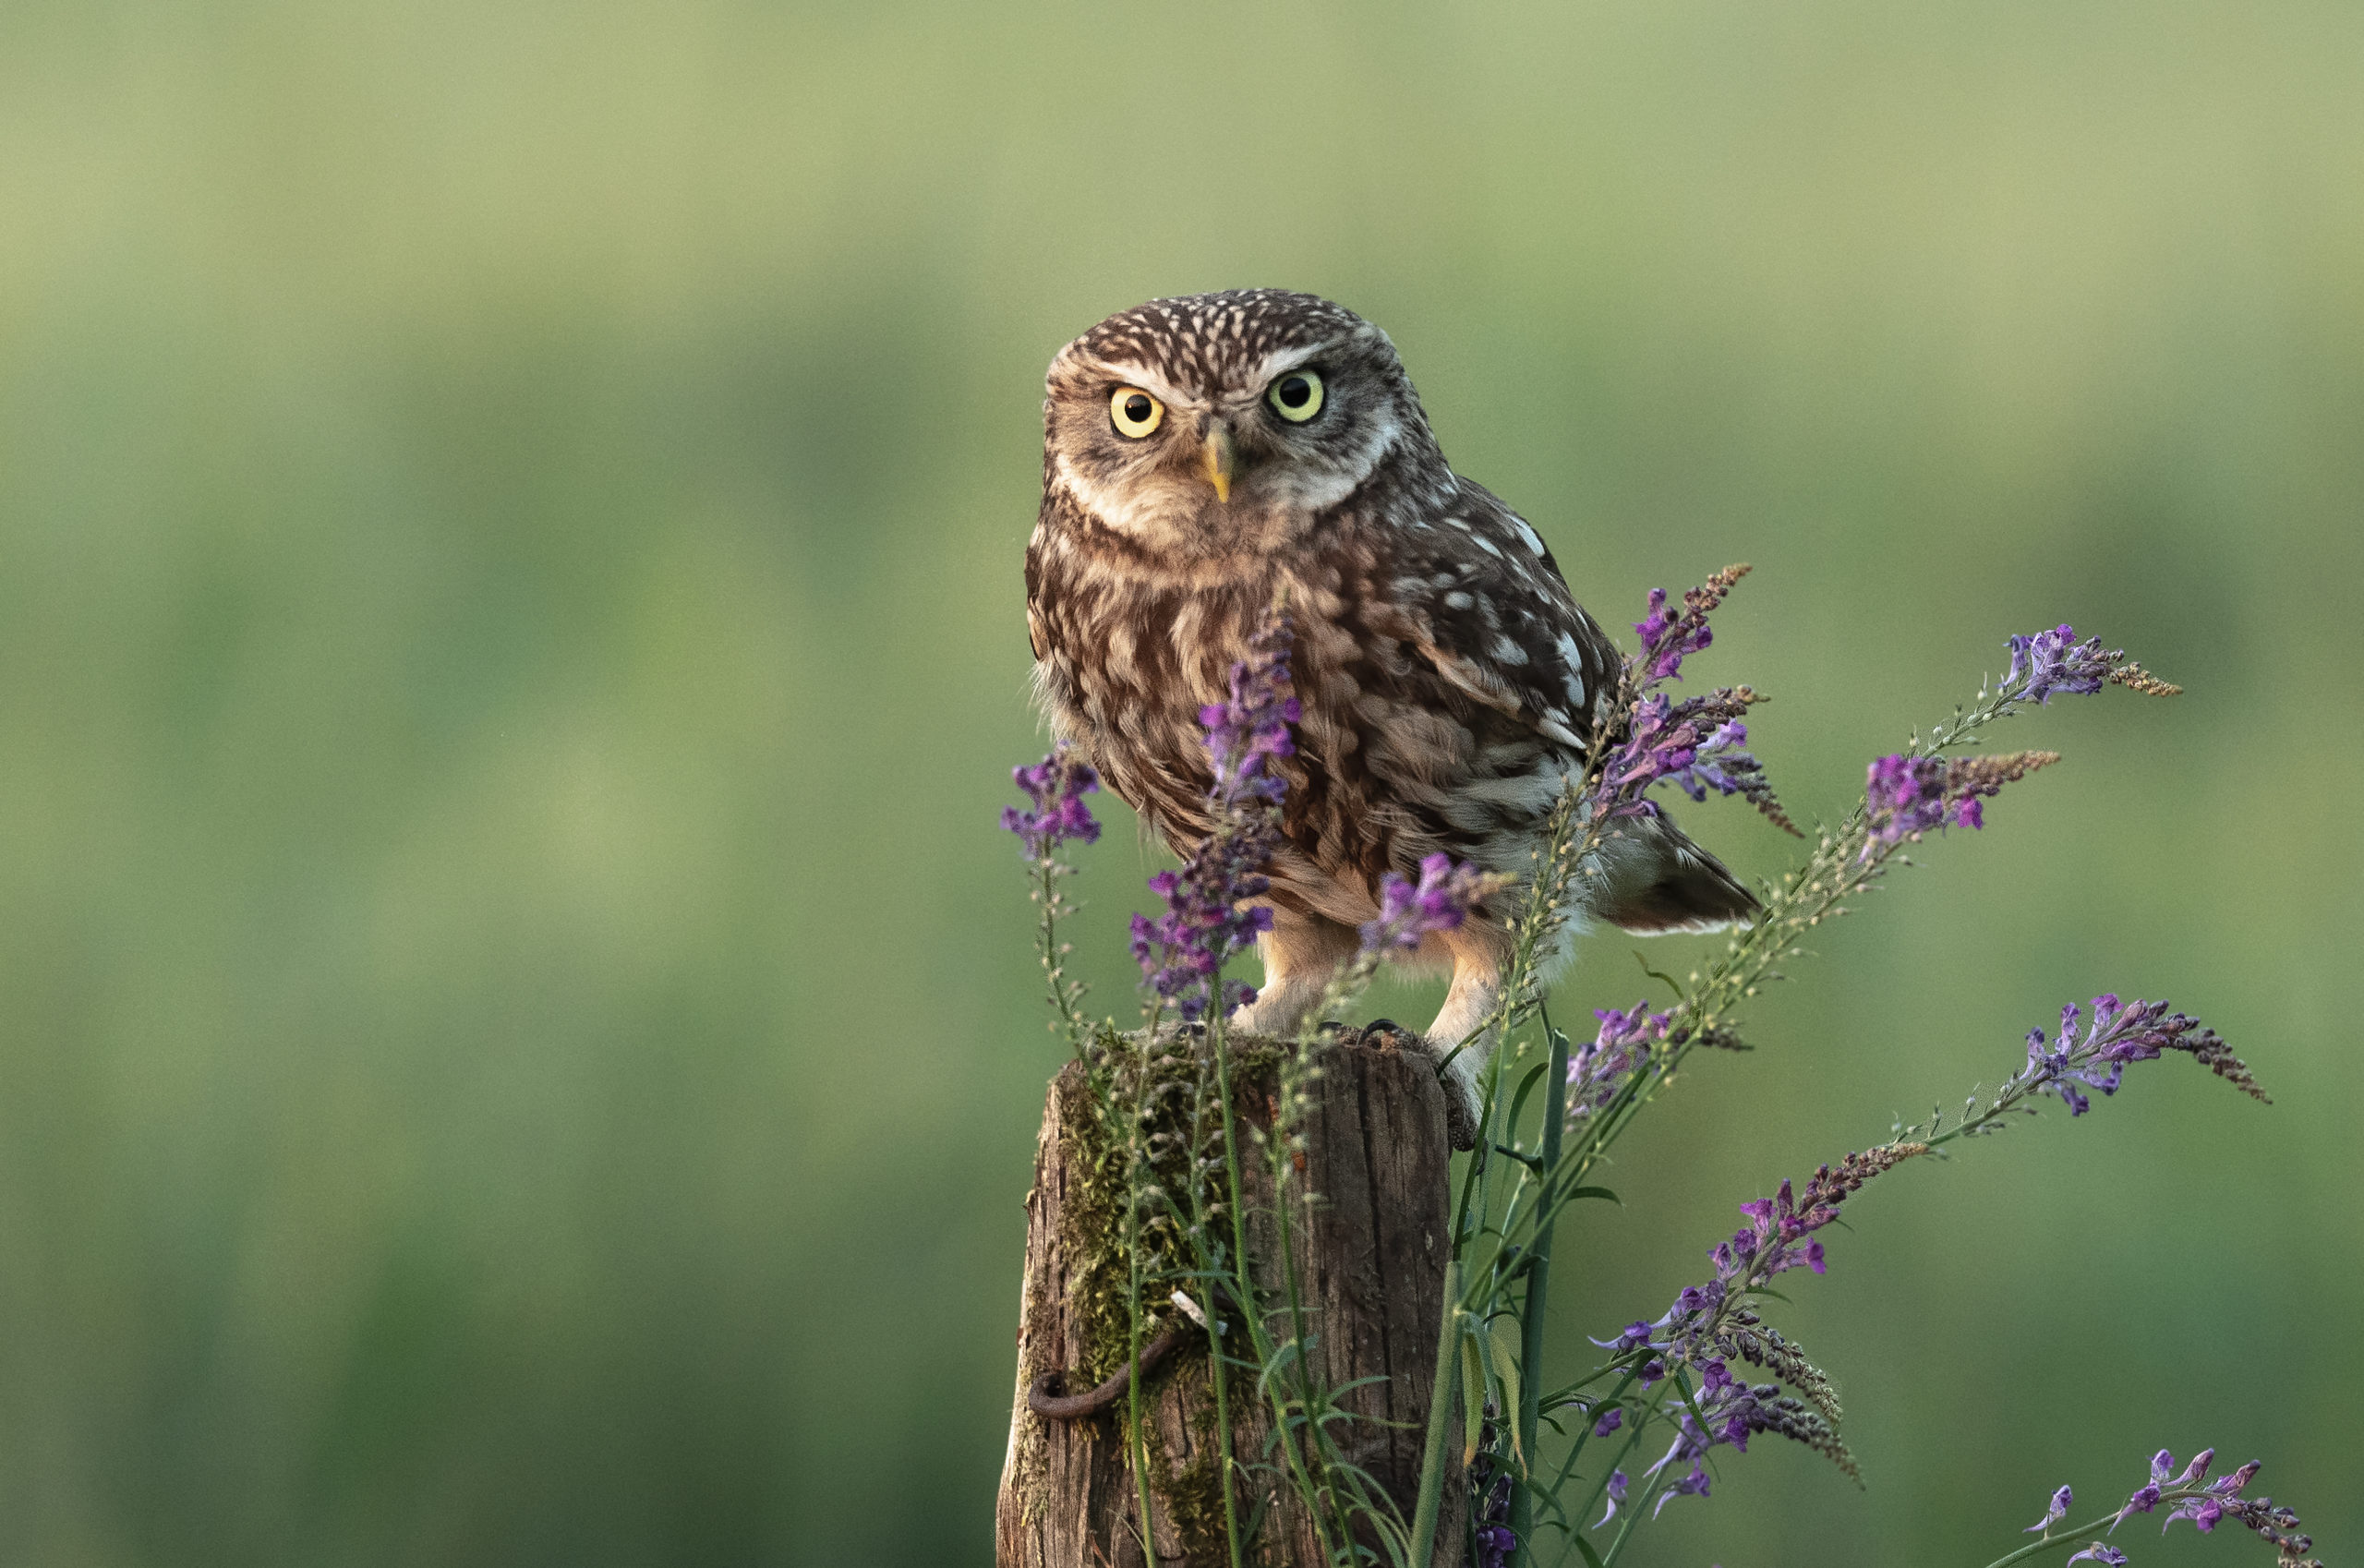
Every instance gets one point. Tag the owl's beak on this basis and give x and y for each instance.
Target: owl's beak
(1221, 460)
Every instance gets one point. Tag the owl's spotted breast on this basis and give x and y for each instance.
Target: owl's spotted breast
(1436, 717)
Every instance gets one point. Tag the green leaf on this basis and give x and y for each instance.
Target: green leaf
(1595, 1192)
(1502, 1338)
(1473, 1392)
(1584, 1550)
(1526, 1087)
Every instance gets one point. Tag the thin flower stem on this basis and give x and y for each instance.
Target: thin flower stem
(2073, 1534)
(2065, 1538)
(1640, 1424)
(1209, 1256)
(1441, 1402)
(1539, 1281)
(1575, 1452)
(1133, 1298)
(1636, 1505)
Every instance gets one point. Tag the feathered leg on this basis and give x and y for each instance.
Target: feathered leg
(1300, 953)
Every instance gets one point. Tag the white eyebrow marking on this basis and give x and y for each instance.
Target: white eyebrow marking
(1282, 359)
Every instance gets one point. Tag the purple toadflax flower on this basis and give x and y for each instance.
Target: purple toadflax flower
(2118, 1032)
(2055, 663)
(2054, 1512)
(2101, 1551)
(1695, 745)
(1441, 900)
(1057, 786)
(1709, 1324)
(1669, 636)
(1618, 1483)
(1907, 796)
(2207, 1503)
(1599, 1069)
(1207, 918)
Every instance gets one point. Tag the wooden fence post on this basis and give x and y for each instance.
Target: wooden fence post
(1371, 1262)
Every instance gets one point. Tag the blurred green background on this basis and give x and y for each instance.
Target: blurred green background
(518, 1043)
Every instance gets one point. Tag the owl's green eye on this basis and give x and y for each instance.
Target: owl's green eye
(1135, 412)
(1296, 396)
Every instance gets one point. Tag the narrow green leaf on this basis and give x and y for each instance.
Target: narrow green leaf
(1526, 1087)
(1503, 1339)
(1595, 1192)
(1473, 1395)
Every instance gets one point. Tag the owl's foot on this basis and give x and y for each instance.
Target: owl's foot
(1459, 1116)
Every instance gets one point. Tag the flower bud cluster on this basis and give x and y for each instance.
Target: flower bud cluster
(1057, 786)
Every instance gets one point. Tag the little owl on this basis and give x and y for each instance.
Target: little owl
(1204, 457)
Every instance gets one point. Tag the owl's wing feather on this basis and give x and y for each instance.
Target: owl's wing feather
(1498, 622)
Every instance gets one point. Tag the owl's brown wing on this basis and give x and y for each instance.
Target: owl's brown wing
(1497, 621)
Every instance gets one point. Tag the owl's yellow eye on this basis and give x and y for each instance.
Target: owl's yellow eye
(1135, 412)
(1296, 396)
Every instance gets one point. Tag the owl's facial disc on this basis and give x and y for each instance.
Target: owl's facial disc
(1205, 442)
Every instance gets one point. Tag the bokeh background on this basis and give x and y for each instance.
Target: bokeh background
(518, 1044)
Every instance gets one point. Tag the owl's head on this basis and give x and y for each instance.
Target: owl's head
(1220, 422)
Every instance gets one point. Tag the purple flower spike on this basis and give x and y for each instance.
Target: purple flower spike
(1598, 1070)
(2055, 662)
(1907, 796)
(2101, 1551)
(1208, 919)
(1669, 636)
(1695, 745)
(1441, 900)
(1057, 786)
(2055, 1510)
(1609, 1422)
(1250, 727)
(2208, 1504)
(2120, 1033)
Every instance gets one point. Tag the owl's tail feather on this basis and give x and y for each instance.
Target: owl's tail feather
(1691, 892)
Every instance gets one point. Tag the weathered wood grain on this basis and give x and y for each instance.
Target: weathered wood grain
(1370, 1251)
